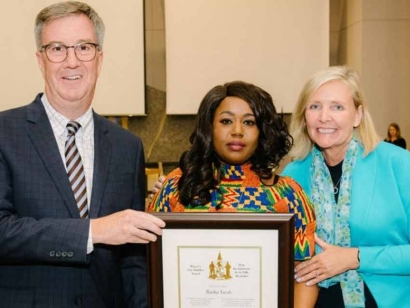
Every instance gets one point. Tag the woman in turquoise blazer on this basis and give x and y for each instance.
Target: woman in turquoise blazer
(361, 192)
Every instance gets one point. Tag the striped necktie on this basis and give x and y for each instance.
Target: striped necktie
(75, 169)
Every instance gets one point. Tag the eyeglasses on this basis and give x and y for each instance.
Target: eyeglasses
(57, 53)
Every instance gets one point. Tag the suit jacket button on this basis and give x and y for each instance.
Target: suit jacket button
(64, 254)
(58, 254)
(70, 254)
(52, 253)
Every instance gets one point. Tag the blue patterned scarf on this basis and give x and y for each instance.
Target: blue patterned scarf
(333, 218)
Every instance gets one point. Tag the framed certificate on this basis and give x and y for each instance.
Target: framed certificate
(222, 260)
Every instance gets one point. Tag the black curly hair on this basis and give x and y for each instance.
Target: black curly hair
(197, 163)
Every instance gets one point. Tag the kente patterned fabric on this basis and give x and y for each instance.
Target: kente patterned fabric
(242, 191)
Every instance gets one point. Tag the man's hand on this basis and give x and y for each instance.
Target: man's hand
(127, 226)
(157, 186)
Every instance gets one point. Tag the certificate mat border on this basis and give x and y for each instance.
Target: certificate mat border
(284, 223)
(267, 254)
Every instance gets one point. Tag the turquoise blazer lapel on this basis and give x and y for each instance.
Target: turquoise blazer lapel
(362, 196)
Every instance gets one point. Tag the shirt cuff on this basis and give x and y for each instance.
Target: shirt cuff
(90, 246)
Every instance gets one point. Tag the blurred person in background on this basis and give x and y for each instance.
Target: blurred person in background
(394, 136)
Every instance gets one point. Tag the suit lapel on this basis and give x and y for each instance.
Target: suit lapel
(42, 136)
(102, 156)
(362, 195)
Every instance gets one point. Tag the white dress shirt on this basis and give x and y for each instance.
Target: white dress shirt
(84, 139)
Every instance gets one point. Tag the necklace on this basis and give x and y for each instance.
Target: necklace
(335, 188)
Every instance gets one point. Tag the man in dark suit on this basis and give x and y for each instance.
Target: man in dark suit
(72, 225)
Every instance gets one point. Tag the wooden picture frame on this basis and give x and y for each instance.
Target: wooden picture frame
(189, 237)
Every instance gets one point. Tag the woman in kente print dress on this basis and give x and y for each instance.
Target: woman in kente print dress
(238, 142)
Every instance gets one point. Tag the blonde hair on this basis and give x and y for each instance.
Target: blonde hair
(365, 131)
(64, 9)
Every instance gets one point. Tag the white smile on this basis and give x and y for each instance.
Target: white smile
(76, 77)
(326, 130)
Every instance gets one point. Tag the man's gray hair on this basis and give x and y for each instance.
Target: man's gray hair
(64, 9)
